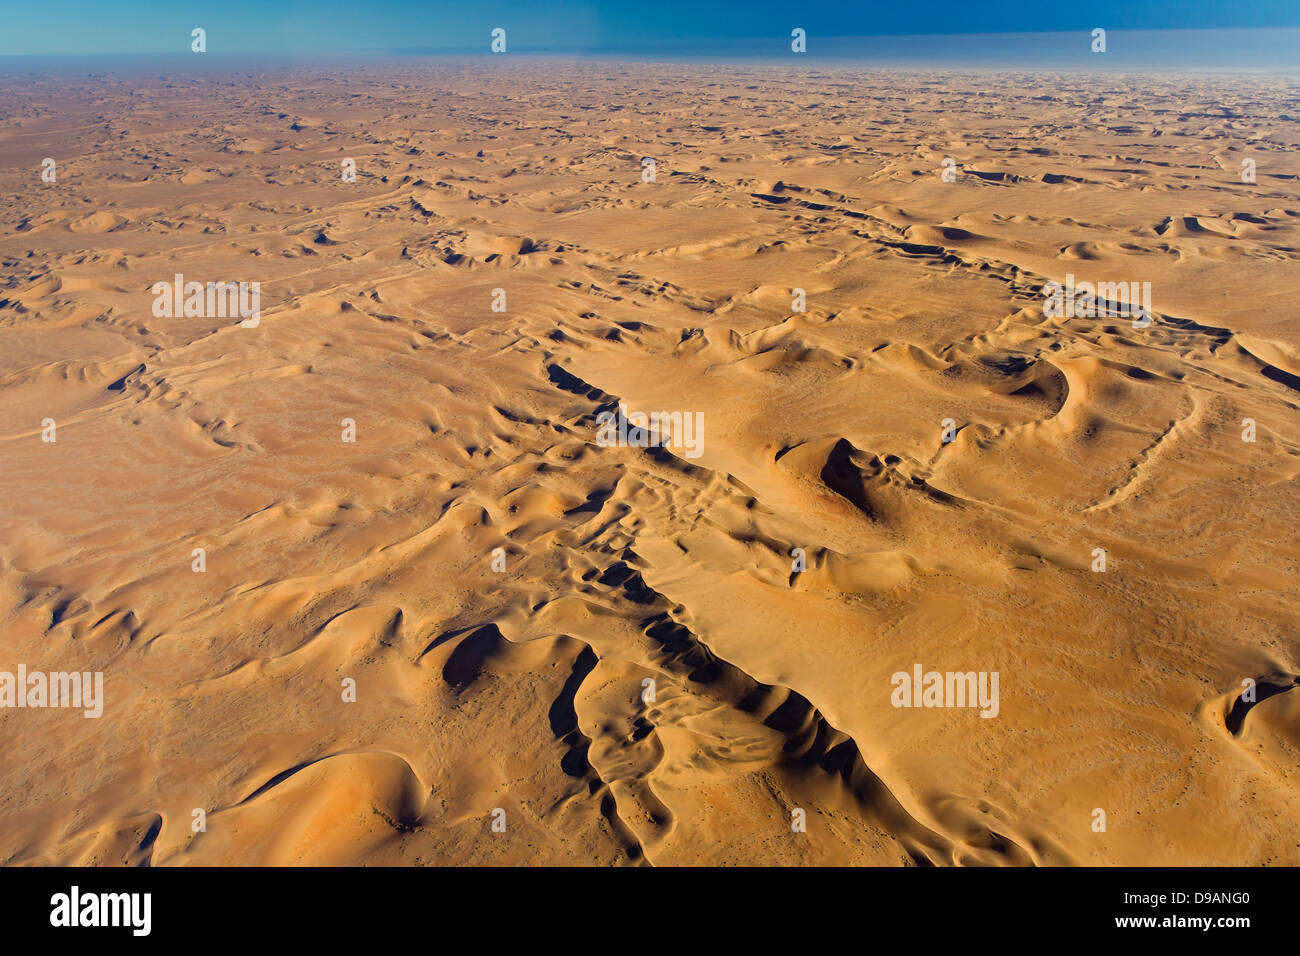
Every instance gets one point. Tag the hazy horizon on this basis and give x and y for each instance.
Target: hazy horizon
(1232, 49)
(589, 26)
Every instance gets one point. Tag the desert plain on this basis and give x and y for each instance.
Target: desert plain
(366, 586)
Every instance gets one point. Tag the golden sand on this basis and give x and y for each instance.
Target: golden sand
(496, 587)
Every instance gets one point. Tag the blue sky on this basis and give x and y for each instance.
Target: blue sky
(590, 26)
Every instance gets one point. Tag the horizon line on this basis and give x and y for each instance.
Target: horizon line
(697, 46)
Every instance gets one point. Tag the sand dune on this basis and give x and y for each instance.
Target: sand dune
(568, 652)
